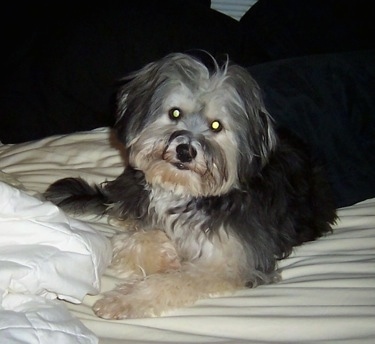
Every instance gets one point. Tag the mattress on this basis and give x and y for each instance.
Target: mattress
(326, 295)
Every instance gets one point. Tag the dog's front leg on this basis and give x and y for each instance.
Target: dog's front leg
(141, 253)
(159, 293)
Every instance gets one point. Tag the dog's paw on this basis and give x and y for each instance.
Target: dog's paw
(123, 303)
(114, 307)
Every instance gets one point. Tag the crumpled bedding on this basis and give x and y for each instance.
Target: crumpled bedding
(326, 295)
(45, 255)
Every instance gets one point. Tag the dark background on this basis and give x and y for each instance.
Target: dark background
(314, 59)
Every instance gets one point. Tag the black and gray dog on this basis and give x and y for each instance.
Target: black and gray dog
(212, 196)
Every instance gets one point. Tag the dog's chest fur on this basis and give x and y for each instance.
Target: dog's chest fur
(186, 225)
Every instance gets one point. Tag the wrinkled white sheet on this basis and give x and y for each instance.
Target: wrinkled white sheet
(31, 319)
(44, 253)
(327, 294)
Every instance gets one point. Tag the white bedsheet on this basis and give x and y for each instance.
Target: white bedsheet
(327, 293)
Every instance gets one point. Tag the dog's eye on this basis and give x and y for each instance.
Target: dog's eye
(216, 126)
(175, 113)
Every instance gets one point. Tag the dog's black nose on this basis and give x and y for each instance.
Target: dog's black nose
(185, 152)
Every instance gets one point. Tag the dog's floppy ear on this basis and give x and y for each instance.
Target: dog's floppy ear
(265, 142)
(133, 101)
(257, 138)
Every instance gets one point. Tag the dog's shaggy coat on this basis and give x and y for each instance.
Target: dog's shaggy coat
(211, 197)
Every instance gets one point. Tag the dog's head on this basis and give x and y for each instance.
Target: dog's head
(191, 130)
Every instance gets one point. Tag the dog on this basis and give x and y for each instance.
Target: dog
(213, 193)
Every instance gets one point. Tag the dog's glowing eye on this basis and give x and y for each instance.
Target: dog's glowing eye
(216, 126)
(175, 113)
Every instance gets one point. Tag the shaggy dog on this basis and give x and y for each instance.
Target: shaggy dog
(212, 195)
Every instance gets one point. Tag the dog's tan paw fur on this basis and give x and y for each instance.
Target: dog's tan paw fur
(120, 303)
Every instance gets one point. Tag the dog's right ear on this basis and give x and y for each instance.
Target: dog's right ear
(133, 100)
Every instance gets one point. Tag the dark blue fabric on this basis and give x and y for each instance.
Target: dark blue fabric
(274, 29)
(329, 101)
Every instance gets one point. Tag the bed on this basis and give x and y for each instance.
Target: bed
(326, 293)
(56, 98)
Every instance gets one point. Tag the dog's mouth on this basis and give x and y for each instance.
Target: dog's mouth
(180, 166)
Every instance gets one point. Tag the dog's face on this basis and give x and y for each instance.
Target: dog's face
(192, 131)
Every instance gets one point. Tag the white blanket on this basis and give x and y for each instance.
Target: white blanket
(44, 255)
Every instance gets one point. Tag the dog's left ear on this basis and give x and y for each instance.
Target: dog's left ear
(261, 142)
(257, 139)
